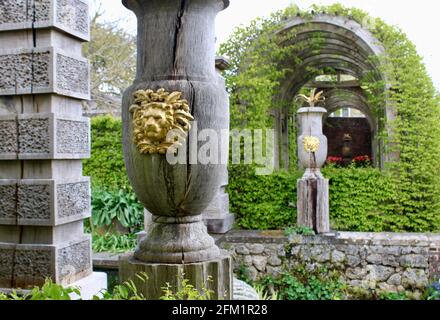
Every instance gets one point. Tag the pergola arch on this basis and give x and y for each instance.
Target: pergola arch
(346, 47)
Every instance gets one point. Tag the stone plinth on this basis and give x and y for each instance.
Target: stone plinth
(215, 275)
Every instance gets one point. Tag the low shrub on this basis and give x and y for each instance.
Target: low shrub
(116, 210)
(302, 284)
(114, 243)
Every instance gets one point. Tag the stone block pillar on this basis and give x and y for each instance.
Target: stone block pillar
(43, 139)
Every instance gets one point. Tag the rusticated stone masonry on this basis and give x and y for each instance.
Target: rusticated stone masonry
(388, 262)
(43, 138)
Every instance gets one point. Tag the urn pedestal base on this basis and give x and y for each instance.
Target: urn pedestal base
(313, 203)
(215, 275)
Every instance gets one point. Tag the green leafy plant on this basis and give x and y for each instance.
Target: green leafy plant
(125, 291)
(49, 291)
(393, 296)
(302, 284)
(361, 199)
(121, 206)
(106, 165)
(262, 202)
(433, 291)
(298, 230)
(186, 291)
(266, 294)
(242, 274)
(115, 243)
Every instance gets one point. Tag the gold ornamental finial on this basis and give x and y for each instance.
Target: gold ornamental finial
(313, 99)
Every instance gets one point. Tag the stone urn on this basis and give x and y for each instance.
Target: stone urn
(312, 143)
(176, 88)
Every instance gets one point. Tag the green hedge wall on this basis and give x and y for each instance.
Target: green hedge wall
(106, 166)
(361, 199)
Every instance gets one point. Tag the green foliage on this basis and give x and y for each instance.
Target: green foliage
(302, 284)
(106, 166)
(361, 199)
(186, 291)
(242, 274)
(115, 243)
(262, 202)
(121, 206)
(125, 291)
(433, 291)
(393, 296)
(49, 291)
(298, 230)
(409, 198)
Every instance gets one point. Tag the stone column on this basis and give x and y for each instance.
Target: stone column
(312, 188)
(176, 82)
(43, 139)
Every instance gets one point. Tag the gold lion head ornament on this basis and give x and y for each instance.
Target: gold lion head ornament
(161, 121)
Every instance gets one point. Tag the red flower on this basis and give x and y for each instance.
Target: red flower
(335, 160)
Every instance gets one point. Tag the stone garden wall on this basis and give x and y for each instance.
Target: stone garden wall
(372, 261)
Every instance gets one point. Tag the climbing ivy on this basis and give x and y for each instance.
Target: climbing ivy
(258, 57)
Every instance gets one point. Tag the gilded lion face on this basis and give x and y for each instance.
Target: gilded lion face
(155, 114)
(156, 124)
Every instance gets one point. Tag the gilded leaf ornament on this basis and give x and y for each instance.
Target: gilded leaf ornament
(311, 144)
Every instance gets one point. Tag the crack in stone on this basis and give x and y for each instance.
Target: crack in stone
(177, 35)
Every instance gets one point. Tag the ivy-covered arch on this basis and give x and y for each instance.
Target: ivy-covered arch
(273, 58)
(343, 46)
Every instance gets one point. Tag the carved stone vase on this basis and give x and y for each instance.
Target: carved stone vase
(312, 143)
(176, 88)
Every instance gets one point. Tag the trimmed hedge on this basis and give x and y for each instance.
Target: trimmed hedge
(106, 165)
(361, 199)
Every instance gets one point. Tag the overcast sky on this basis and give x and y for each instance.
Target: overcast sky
(419, 19)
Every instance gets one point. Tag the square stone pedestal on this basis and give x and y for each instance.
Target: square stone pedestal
(215, 275)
